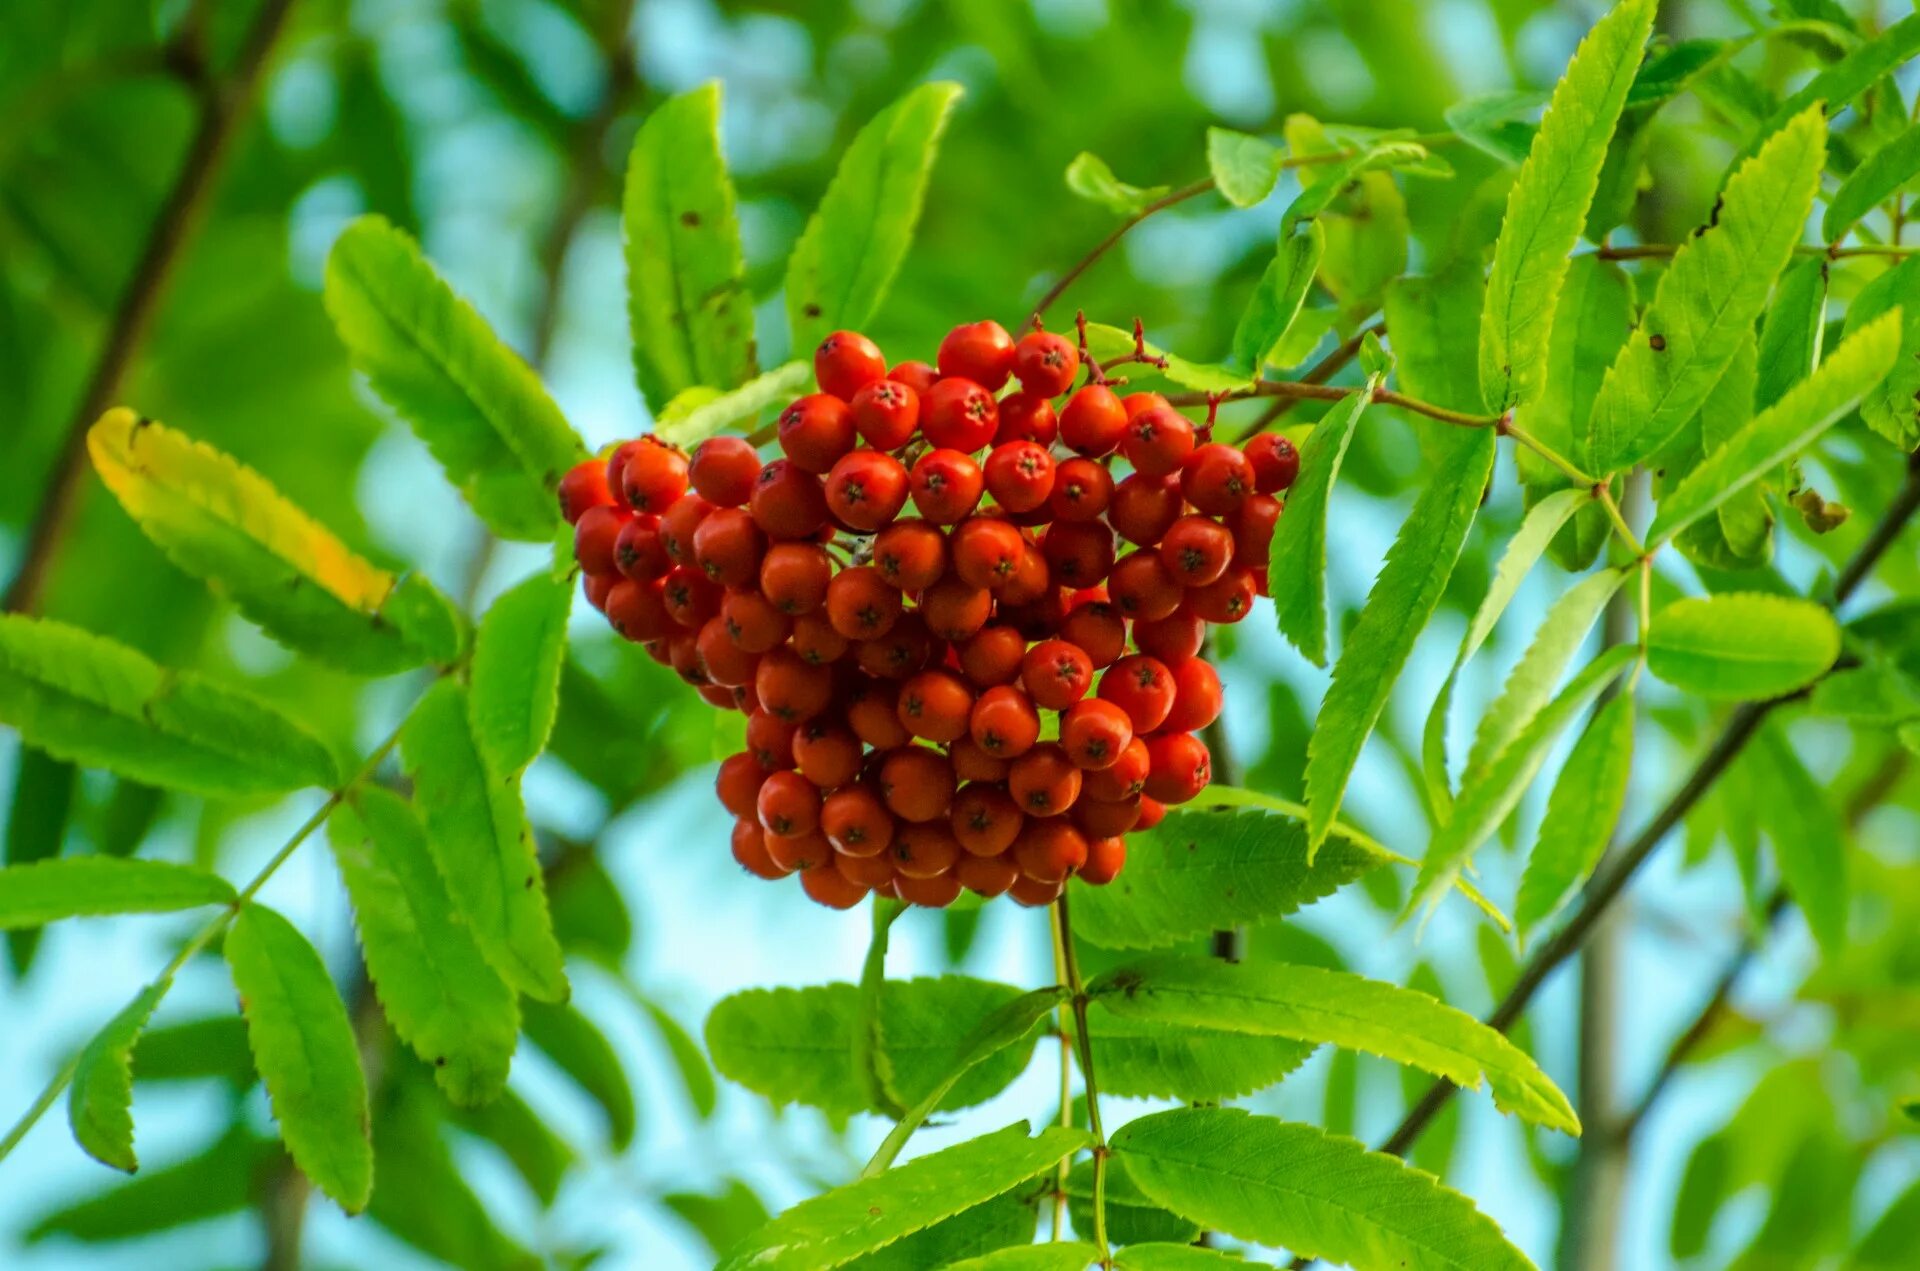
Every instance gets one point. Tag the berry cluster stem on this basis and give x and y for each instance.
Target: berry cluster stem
(1063, 933)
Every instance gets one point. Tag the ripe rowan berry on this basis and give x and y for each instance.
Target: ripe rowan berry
(847, 362)
(725, 663)
(1035, 894)
(1045, 363)
(1029, 583)
(1216, 478)
(1227, 598)
(1144, 508)
(723, 470)
(678, 526)
(873, 712)
(872, 872)
(1275, 462)
(1197, 697)
(750, 850)
(1024, 417)
(987, 876)
(917, 783)
(815, 431)
(970, 763)
(638, 611)
(690, 596)
(924, 849)
(959, 414)
(1158, 440)
(954, 609)
(770, 740)
(935, 706)
(856, 822)
(1196, 550)
(1044, 782)
(946, 485)
(1056, 673)
(1098, 629)
(1252, 524)
(986, 551)
(1039, 620)
(1143, 587)
(684, 658)
(792, 689)
(886, 413)
(597, 587)
(899, 653)
(640, 552)
(653, 477)
(980, 351)
(827, 886)
(594, 536)
(752, 623)
(1094, 421)
(1180, 767)
(788, 502)
(1049, 849)
(1095, 733)
(798, 852)
(584, 486)
(993, 656)
(728, 546)
(794, 577)
(1139, 685)
(860, 604)
(1106, 857)
(929, 893)
(826, 754)
(911, 555)
(1004, 723)
(738, 784)
(1097, 819)
(815, 641)
(985, 819)
(1078, 553)
(789, 804)
(866, 490)
(1125, 778)
(1152, 812)
(1172, 639)
(1082, 489)
(1135, 403)
(918, 376)
(1019, 475)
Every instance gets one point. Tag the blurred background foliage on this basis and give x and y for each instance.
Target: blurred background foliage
(496, 130)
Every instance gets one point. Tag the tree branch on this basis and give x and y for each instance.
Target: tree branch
(1297, 390)
(1107, 244)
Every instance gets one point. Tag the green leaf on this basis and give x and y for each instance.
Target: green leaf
(688, 1059)
(1089, 177)
(1892, 406)
(433, 984)
(1244, 168)
(100, 1100)
(1276, 301)
(537, 1154)
(1845, 79)
(688, 307)
(1489, 793)
(1784, 429)
(1006, 1221)
(1311, 1004)
(1809, 837)
(852, 247)
(517, 655)
(1176, 1257)
(583, 1052)
(1327, 182)
(1790, 337)
(791, 1045)
(421, 1197)
(1403, 598)
(1146, 1059)
(81, 886)
(723, 1220)
(482, 843)
(220, 1180)
(1433, 324)
(1531, 683)
(1297, 560)
(1581, 814)
(1523, 551)
(1131, 1217)
(98, 703)
(1498, 123)
(1064, 1255)
(716, 414)
(1277, 1183)
(1707, 300)
(1880, 176)
(1891, 1240)
(211, 1047)
(430, 356)
(1204, 868)
(304, 1047)
(36, 827)
(1548, 205)
(833, 1229)
(1740, 646)
(1871, 694)
(223, 522)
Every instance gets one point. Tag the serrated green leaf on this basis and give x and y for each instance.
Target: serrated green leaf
(791, 1045)
(1092, 179)
(1840, 83)
(1783, 430)
(1401, 601)
(212, 1047)
(429, 354)
(100, 1100)
(1488, 794)
(1297, 559)
(1328, 181)
(434, 985)
(1203, 868)
(1742, 645)
(712, 415)
(853, 245)
(304, 1047)
(537, 1154)
(1879, 177)
(1245, 169)
(1064, 1255)
(1808, 836)
(1548, 205)
(1176, 1257)
(583, 1052)
(1276, 300)
(1311, 1004)
(421, 1197)
(688, 308)
(1707, 300)
(1543, 521)
(1433, 323)
(1892, 406)
(101, 704)
(1871, 694)
(723, 1220)
(223, 522)
(1581, 814)
(1790, 337)
(1131, 1217)
(514, 693)
(1499, 124)
(1006, 1221)
(79, 886)
(1278, 1183)
(1147, 1059)
(482, 843)
(833, 1229)
(218, 1181)
(1354, 198)
(1531, 683)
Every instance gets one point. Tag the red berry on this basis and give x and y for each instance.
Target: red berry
(1106, 857)
(985, 819)
(917, 376)
(1252, 524)
(1056, 674)
(653, 477)
(584, 486)
(1139, 685)
(1135, 403)
(726, 664)
(847, 362)
(1094, 421)
(912, 555)
(1049, 849)
(980, 351)
(887, 414)
(917, 784)
(929, 893)
(993, 656)
(809, 851)
(873, 714)
(790, 688)
(1124, 779)
(959, 414)
(987, 876)
(987, 552)
(1098, 819)
(640, 552)
(860, 604)
(1172, 639)
(794, 576)
(722, 470)
(815, 431)
(595, 535)
(1227, 598)
(856, 822)
(738, 784)
(789, 805)
(638, 611)
(1196, 697)
(1095, 733)
(1143, 587)
(750, 850)
(1019, 475)
(597, 587)
(1082, 489)
(1152, 812)
(770, 740)
(1216, 479)
(946, 485)
(1044, 782)
(1181, 767)
(1045, 363)
(900, 652)
(1080, 553)
(1097, 627)
(925, 850)
(1030, 582)
(954, 609)
(816, 642)
(1003, 722)
(1196, 550)
(1035, 894)
(935, 706)
(1144, 508)
(872, 872)
(1159, 439)
(788, 501)
(1024, 417)
(754, 622)
(866, 490)
(728, 547)
(678, 525)
(826, 885)
(826, 754)
(1275, 462)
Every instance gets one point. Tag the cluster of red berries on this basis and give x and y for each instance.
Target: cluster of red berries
(985, 694)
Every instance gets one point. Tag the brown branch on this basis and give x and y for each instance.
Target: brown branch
(1106, 244)
(223, 111)
(1297, 390)
(1319, 373)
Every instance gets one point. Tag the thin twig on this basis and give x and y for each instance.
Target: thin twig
(1300, 389)
(1319, 373)
(1084, 1042)
(1106, 244)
